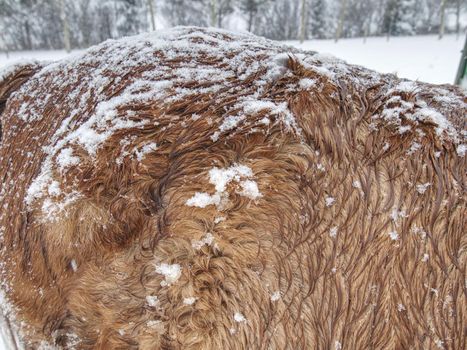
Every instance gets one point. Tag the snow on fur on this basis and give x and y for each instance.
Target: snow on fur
(241, 55)
(173, 65)
(171, 273)
(16, 66)
(72, 108)
(238, 174)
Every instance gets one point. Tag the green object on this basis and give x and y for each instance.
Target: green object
(461, 76)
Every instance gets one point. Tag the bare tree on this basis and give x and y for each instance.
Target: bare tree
(251, 8)
(318, 26)
(151, 14)
(55, 24)
(4, 45)
(224, 8)
(187, 12)
(24, 5)
(441, 18)
(340, 23)
(213, 13)
(303, 21)
(66, 26)
(367, 27)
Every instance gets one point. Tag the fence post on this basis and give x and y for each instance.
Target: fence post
(462, 70)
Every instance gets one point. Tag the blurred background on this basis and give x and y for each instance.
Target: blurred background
(417, 39)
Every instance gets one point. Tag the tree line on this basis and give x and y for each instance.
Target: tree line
(56, 24)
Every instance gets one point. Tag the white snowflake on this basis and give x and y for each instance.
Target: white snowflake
(238, 317)
(170, 272)
(152, 300)
(189, 300)
(276, 296)
(333, 231)
(329, 201)
(394, 235)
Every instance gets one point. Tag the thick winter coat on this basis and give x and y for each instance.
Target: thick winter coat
(199, 189)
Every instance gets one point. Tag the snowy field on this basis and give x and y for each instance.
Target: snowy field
(423, 58)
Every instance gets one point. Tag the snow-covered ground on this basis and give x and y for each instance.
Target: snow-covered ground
(423, 58)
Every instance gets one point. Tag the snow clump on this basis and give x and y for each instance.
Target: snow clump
(171, 273)
(240, 175)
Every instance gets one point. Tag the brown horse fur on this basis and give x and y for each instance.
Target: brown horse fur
(355, 241)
